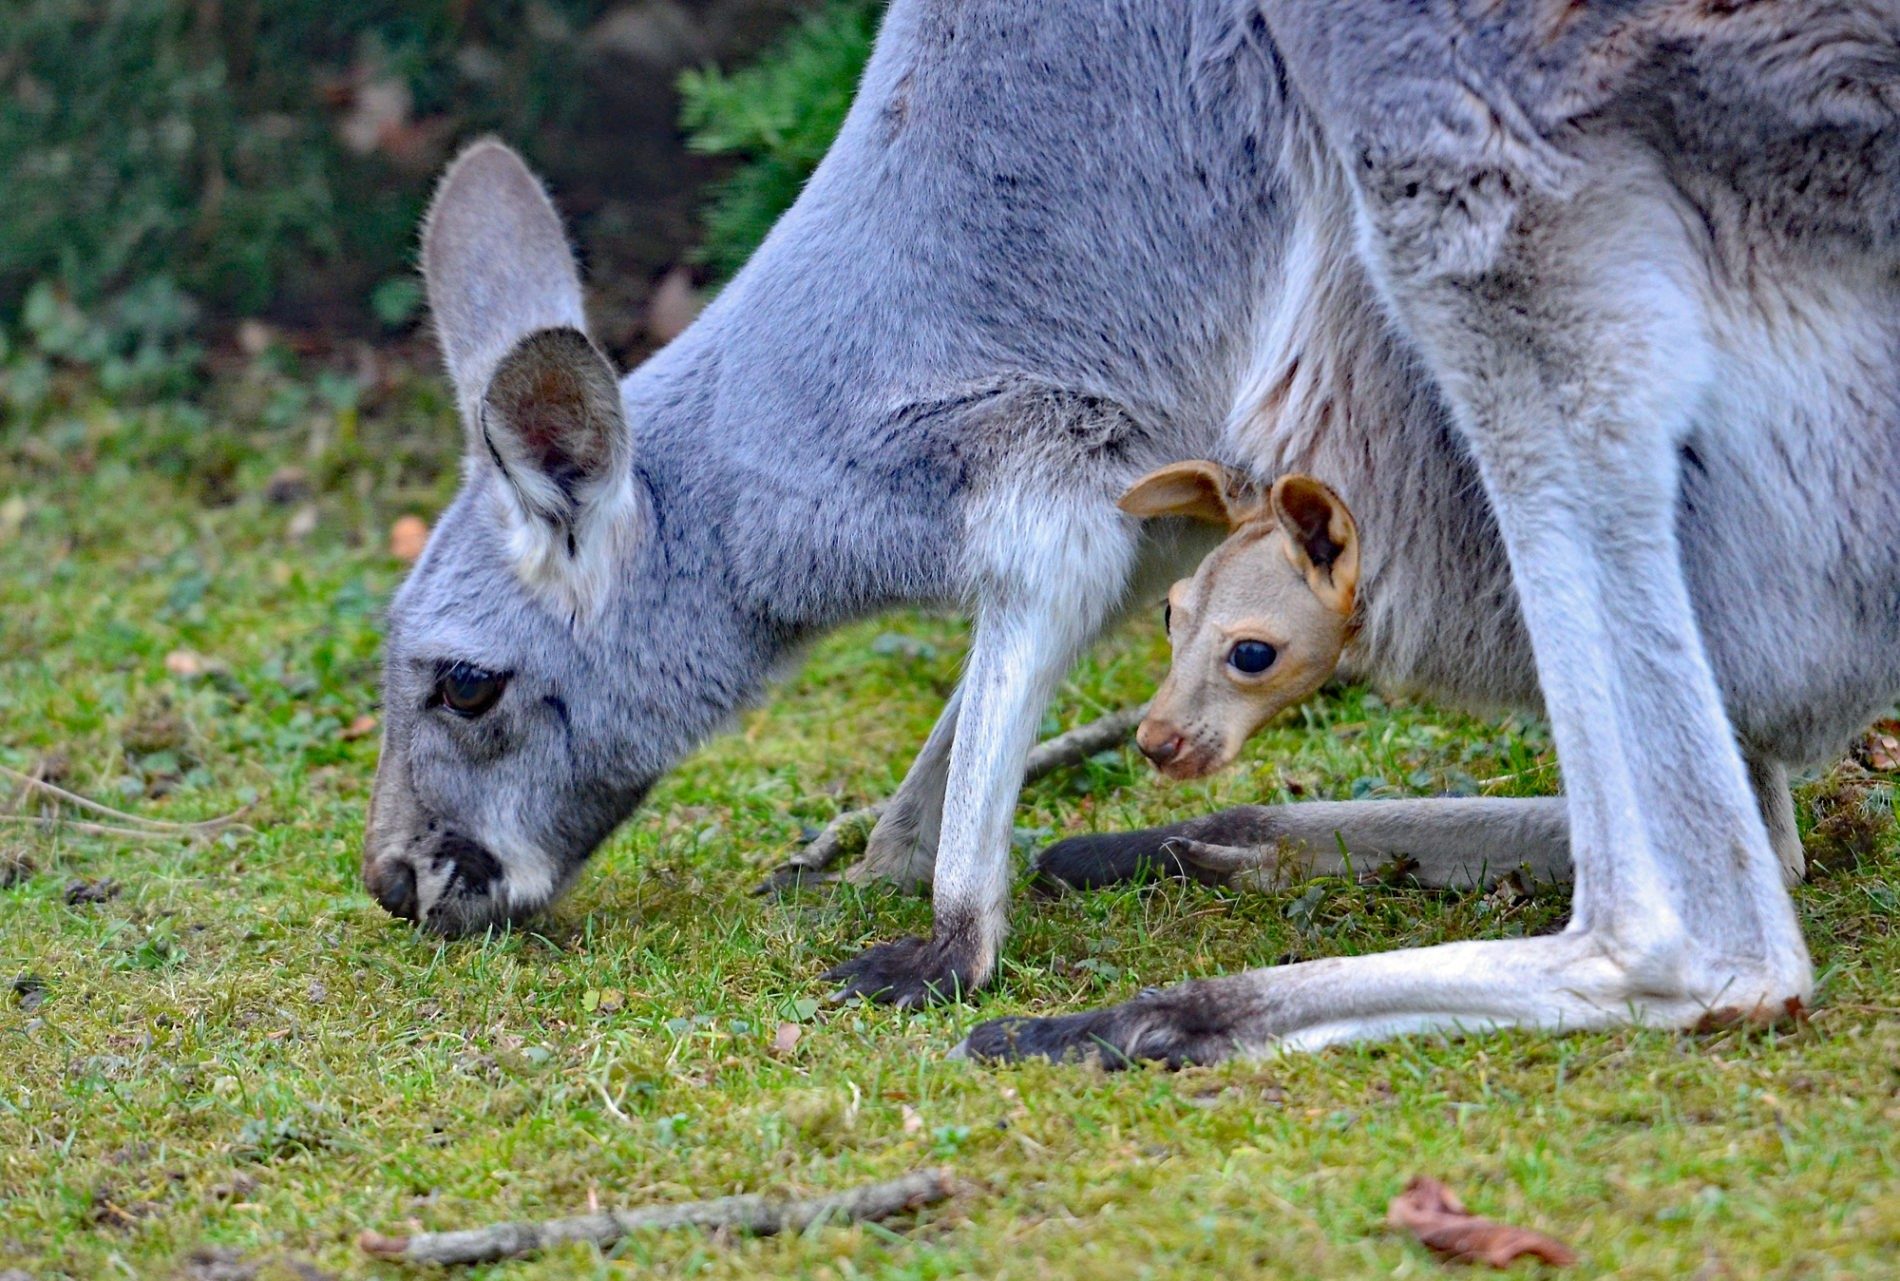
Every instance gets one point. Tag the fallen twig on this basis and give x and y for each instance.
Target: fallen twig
(31, 780)
(847, 833)
(134, 824)
(752, 1215)
(1072, 747)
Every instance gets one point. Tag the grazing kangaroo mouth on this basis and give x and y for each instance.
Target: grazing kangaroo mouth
(419, 886)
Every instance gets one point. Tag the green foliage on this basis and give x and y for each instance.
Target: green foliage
(137, 344)
(200, 145)
(397, 301)
(778, 116)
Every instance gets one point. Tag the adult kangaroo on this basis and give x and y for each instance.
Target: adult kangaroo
(1629, 270)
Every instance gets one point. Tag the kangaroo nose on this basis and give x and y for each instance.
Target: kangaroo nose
(1160, 745)
(393, 882)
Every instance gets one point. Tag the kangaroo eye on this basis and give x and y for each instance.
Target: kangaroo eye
(1167, 617)
(469, 691)
(1251, 657)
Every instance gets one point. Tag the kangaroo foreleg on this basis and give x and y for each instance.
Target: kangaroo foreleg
(1063, 751)
(1770, 781)
(902, 848)
(1046, 584)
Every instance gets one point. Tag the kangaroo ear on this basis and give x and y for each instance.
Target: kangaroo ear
(538, 399)
(550, 421)
(497, 266)
(1322, 536)
(1199, 490)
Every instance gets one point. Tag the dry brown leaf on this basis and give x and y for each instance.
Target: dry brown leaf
(362, 727)
(673, 306)
(407, 537)
(13, 514)
(377, 108)
(785, 1040)
(1433, 1213)
(185, 663)
(287, 485)
(254, 337)
(1882, 747)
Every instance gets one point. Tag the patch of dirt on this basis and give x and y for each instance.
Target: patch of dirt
(217, 1263)
(1853, 813)
(156, 727)
(221, 1263)
(16, 866)
(81, 890)
(240, 1186)
(109, 1209)
(30, 991)
(287, 485)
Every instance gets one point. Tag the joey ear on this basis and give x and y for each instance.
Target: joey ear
(551, 423)
(497, 267)
(1198, 489)
(1323, 537)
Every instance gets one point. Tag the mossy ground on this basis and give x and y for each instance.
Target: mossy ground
(239, 1051)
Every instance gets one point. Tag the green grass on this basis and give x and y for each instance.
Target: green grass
(241, 1051)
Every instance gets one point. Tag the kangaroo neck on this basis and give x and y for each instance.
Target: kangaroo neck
(806, 524)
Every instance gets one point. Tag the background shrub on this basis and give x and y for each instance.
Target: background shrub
(174, 166)
(257, 155)
(778, 116)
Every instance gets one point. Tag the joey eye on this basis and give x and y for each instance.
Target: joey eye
(467, 690)
(1167, 617)
(1251, 657)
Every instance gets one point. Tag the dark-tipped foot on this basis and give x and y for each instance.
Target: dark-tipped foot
(1176, 1027)
(914, 972)
(1111, 858)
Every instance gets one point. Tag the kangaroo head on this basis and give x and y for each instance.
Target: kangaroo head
(529, 697)
(1261, 623)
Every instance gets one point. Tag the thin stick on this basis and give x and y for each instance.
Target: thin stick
(204, 827)
(94, 829)
(1543, 767)
(752, 1215)
(1082, 742)
(847, 832)
(37, 776)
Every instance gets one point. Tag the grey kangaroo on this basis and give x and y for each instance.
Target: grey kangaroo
(1620, 278)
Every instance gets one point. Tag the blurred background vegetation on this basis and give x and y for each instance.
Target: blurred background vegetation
(191, 177)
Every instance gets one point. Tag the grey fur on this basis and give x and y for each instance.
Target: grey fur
(1059, 243)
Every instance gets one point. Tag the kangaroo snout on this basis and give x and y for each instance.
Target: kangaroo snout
(392, 882)
(433, 873)
(451, 884)
(1159, 742)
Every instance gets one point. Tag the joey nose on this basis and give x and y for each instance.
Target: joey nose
(1159, 743)
(393, 882)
